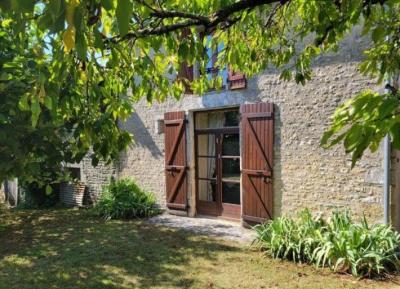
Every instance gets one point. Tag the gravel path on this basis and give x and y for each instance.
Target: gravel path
(233, 231)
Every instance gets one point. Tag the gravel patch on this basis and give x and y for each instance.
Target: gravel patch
(228, 230)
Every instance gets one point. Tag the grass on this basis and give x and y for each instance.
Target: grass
(73, 249)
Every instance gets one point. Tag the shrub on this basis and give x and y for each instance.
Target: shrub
(32, 196)
(123, 199)
(342, 245)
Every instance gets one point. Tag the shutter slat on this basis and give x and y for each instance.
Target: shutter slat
(236, 80)
(257, 161)
(175, 160)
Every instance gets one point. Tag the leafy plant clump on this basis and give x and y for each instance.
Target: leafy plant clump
(123, 199)
(360, 249)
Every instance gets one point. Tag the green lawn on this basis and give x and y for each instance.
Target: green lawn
(73, 249)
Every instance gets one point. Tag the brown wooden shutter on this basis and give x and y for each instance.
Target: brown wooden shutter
(236, 80)
(257, 130)
(175, 160)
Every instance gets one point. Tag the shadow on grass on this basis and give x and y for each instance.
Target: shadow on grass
(73, 249)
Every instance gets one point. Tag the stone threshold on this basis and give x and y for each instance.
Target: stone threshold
(213, 227)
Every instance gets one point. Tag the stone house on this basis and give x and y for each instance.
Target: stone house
(251, 151)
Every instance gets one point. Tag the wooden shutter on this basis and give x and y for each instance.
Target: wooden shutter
(236, 80)
(175, 160)
(257, 130)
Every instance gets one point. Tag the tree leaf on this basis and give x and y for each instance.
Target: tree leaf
(23, 102)
(48, 102)
(35, 110)
(69, 38)
(49, 190)
(24, 6)
(107, 4)
(378, 33)
(123, 13)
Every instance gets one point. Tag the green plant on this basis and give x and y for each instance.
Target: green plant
(123, 199)
(284, 238)
(340, 244)
(32, 196)
(68, 66)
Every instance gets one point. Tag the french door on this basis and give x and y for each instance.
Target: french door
(218, 172)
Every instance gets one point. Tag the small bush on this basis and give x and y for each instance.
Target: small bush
(123, 199)
(33, 196)
(342, 245)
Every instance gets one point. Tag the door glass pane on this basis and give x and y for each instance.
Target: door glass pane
(210, 119)
(231, 169)
(231, 118)
(217, 119)
(207, 190)
(231, 193)
(206, 145)
(230, 145)
(206, 168)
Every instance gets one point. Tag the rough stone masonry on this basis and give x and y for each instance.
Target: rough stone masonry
(305, 175)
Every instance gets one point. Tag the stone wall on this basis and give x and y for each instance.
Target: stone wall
(305, 175)
(95, 178)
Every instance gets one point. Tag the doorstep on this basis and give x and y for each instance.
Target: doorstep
(213, 227)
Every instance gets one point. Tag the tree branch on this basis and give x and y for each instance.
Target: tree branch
(177, 14)
(208, 22)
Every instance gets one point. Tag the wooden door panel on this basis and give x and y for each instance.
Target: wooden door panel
(257, 161)
(175, 160)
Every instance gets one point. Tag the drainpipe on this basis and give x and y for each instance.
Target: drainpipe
(386, 180)
(391, 81)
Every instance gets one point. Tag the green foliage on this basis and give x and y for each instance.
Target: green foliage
(71, 69)
(340, 244)
(47, 114)
(32, 196)
(363, 121)
(123, 199)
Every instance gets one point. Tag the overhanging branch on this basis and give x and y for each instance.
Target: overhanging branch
(209, 22)
(187, 20)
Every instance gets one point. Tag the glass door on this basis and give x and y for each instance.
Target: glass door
(207, 174)
(218, 174)
(230, 175)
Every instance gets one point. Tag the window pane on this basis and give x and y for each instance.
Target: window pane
(230, 145)
(207, 190)
(214, 119)
(231, 169)
(231, 193)
(206, 145)
(217, 119)
(206, 168)
(232, 118)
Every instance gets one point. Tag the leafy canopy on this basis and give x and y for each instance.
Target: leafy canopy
(66, 66)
